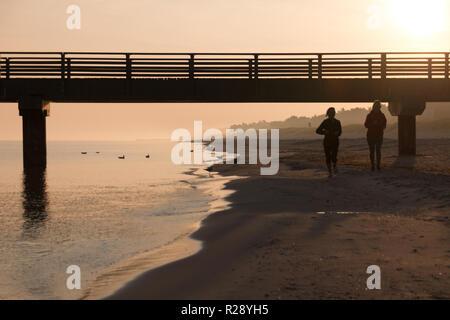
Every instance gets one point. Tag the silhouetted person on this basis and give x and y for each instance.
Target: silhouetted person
(375, 124)
(331, 129)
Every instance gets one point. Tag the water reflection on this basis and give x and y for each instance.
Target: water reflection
(34, 200)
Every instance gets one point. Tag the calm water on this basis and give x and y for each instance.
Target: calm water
(92, 210)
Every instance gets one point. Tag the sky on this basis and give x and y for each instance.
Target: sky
(206, 26)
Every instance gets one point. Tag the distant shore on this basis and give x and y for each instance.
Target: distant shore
(300, 235)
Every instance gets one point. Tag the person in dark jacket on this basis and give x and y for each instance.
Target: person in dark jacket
(375, 124)
(331, 129)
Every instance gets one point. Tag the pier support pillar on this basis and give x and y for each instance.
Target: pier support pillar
(406, 135)
(34, 110)
(407, 110)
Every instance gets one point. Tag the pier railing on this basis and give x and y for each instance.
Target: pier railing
(76, 65)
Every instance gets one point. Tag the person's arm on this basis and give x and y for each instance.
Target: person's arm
(384, 122)
(366, 123)
(339, 129)
(321, 129)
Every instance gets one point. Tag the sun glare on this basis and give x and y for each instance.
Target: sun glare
(420, 18)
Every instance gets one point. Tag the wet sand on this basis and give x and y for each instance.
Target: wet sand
(300, 235)
(120, 273)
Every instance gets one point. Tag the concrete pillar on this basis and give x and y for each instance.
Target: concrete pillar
(407, 110)
(34, 110)
(406, 135)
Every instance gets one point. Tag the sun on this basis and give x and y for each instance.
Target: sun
(420, 18)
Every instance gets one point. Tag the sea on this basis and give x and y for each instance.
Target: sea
(111, 218)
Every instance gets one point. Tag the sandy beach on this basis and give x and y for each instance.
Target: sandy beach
(301, 235)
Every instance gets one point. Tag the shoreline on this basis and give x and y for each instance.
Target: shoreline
(283, 236)
(122, 272)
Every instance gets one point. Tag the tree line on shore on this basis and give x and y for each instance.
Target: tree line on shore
(435, 122)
